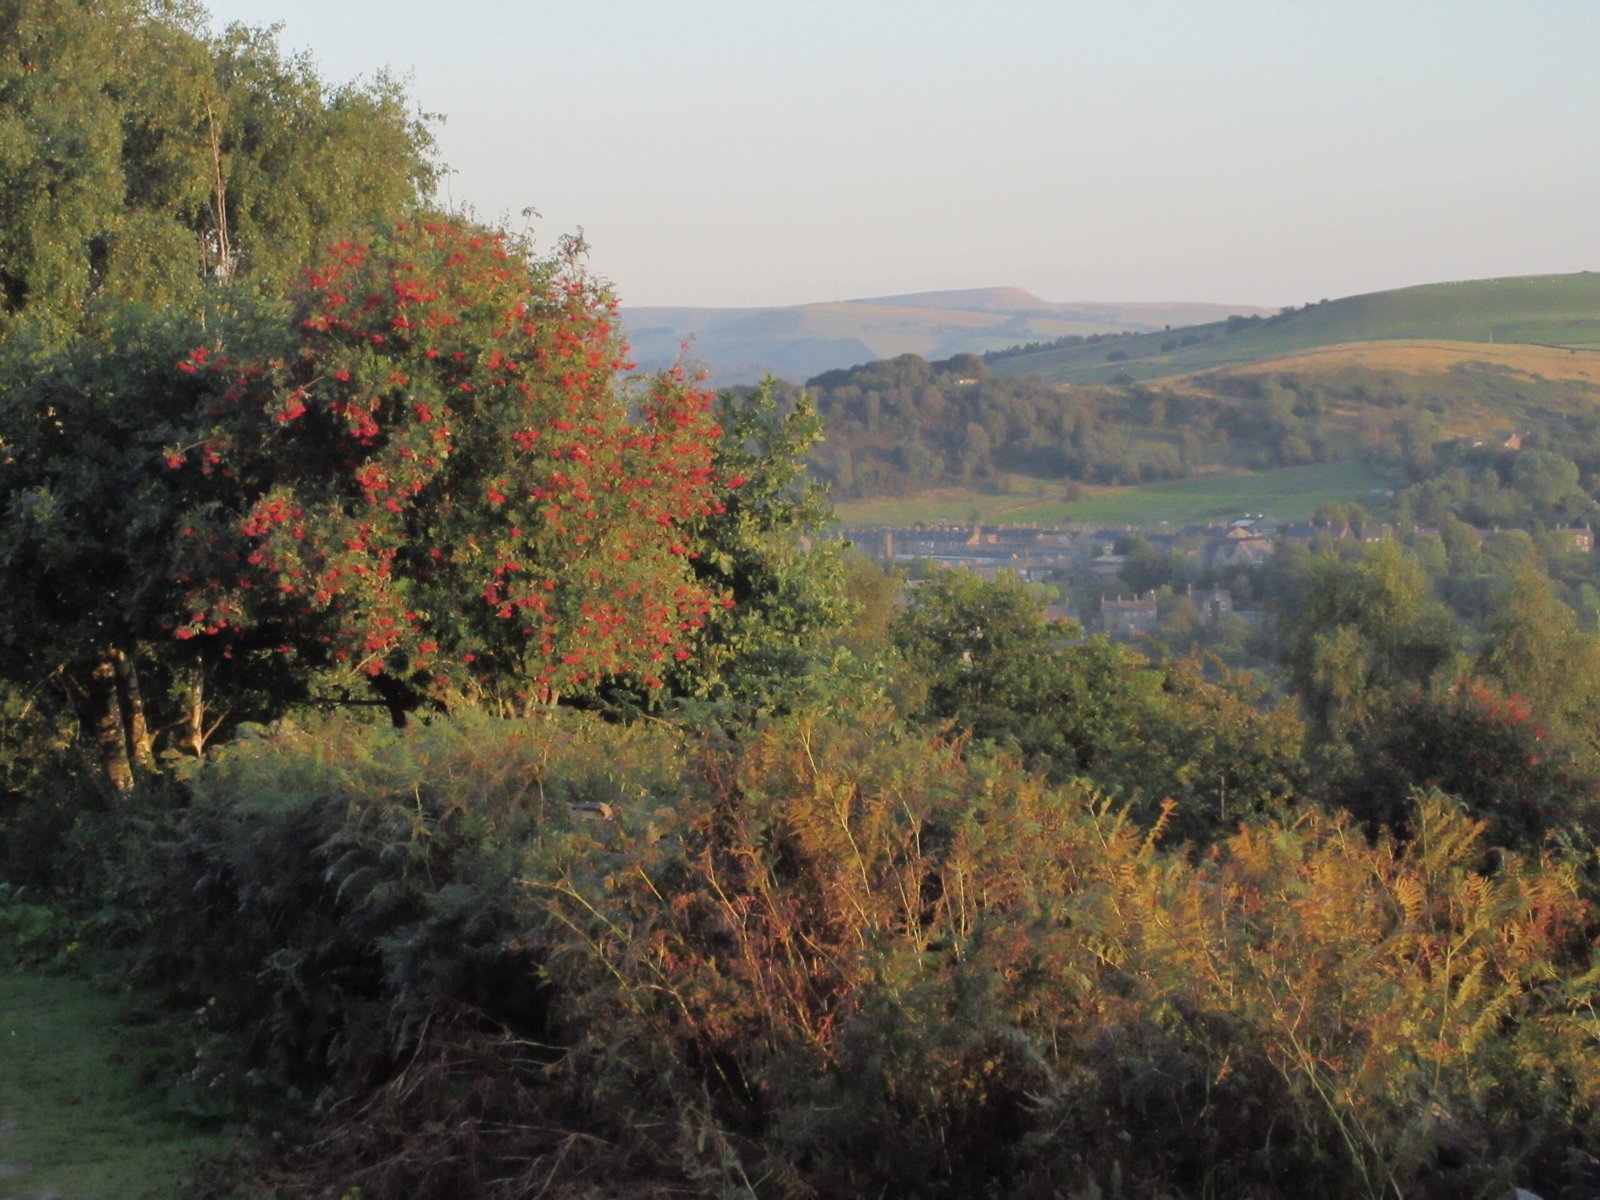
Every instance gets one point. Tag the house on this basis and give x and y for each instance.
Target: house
(1212, 603)
(1129, 618)
(1238, 552)
(1579, 541)
(1257, 526)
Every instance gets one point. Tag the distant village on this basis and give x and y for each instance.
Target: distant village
(1040, 554)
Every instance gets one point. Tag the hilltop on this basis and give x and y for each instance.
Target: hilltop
(1551, 310)
(740, 345)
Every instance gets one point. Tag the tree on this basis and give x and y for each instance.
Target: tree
(159, 181)
(145, 159)
(1489, 749)
(1144, 731)
(1545, 478)
(1417, 432)
(89, 534)
(1366, 633)
(417, 481)
(1535, 650)
(438, 489)
(759, 548)
(984, 650)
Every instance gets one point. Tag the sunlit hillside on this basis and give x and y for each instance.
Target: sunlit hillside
(1551, 310)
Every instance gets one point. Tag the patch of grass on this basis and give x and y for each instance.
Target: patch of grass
(1289, 494)
(955, 505)
(76, 1121)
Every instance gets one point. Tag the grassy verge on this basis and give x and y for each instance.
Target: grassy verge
(75, 1122)
(1288, 494)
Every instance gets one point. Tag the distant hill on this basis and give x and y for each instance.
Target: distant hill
(904, 430)
(1552, 310)
(739, 345)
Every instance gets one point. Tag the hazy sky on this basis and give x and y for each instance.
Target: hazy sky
(728, 152)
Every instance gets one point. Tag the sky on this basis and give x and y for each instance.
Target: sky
(744, 152)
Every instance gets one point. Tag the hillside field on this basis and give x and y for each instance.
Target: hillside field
(1437, 358)
(1547, 310)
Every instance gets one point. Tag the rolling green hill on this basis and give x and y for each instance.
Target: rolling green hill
(1553, 310)
(739, 345)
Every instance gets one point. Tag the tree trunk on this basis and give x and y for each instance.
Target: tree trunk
(136, 729)
(195, 721)
(105, 725)
(395, 697)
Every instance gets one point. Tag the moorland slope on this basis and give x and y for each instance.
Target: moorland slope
(1549, 310)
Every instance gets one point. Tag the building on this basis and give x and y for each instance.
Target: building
(1212, 603)
(1235, 551)
(1579, 541)
(1129, 618)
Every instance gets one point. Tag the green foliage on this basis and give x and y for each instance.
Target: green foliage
(90, 540)
(144, 157)
(319, 890)
(1535, 649)
(1365, 632)
(1528, 784)
(148, 165)
(761, 548)
(29, 932)
(1193, 754)
(904, 424)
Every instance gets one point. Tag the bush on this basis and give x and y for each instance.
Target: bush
(838, 959)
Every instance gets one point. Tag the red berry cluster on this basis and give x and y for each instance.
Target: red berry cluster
(445, 482)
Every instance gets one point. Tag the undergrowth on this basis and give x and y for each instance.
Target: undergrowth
(833, 959)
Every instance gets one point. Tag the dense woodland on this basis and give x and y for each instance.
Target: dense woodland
(903, 424)
(499, 789)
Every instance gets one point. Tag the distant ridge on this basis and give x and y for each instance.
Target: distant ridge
(797, 342)
(993, 299)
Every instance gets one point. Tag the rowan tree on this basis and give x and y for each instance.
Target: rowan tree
(159, 180)
(762, 547)
(440, 488)
(1488, 747)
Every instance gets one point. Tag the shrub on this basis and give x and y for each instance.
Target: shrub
(838, 959)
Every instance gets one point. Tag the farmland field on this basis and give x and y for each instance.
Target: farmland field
(1290, 493)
